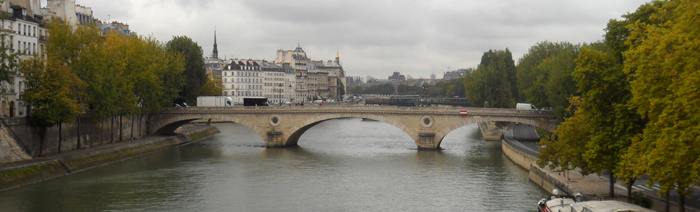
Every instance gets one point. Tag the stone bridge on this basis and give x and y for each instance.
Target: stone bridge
(283, 126)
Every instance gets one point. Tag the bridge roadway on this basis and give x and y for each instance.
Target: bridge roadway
(282, 126)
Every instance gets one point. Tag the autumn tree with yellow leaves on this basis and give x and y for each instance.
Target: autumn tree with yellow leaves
(106, 75)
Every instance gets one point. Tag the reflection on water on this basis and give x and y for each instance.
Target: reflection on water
(340, 165)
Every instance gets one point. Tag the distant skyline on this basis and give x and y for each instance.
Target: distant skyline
(414, 37)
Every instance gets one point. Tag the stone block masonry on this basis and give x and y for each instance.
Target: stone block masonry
(78, 135)
(37, 169)
(283, 126)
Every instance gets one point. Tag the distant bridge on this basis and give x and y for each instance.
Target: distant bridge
(283, 126)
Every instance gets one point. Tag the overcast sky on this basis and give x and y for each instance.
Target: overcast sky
(373, 37)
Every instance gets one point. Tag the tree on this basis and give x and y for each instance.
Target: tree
(663, 60)
(559, 85)
(80, 49)
(567, 145)
(545, 75)
(605, 92)
(341, 89)
(355, 90)
(51, 87)
(526, 65)
(212, 87)
(8, 61)
(195, 73)
(494, 81)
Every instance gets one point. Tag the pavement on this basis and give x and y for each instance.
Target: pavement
(593, 184)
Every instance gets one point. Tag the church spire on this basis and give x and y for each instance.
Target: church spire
(337, 58)
(215, 53)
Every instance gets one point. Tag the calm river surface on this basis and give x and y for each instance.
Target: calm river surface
(340, 165)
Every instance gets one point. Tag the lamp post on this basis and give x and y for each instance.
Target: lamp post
(290, 89)
(280, 93)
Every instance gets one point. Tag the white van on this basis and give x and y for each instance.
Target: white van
(525, 106)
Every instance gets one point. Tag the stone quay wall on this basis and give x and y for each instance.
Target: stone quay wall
(536, 174)
(38, 169)
(77, 135)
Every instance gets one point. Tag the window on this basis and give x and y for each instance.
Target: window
(232, 86)
(225, 94)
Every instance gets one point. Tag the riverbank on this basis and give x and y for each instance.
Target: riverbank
(42, 168)
(571, 182)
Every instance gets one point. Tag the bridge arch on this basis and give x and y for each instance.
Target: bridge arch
(449, 126)
(166, 125)
(298, 129)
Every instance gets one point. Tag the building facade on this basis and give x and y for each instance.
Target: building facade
(274, 83)
(297, 60)
(243, 78)
(23, 35)
(450, 75)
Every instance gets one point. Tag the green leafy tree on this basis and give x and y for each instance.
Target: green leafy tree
(409, 90)
(454, 88)
(9, 58)
(341, 89)
(566, 147)
(51, 87)
(355, 90)
(213, 86)
(195, 72)
(494, 81)
(605, 90)
(386, 89)
(545, 75)
(663, 60)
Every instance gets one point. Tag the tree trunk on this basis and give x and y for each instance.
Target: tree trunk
(111, 130)
(121, 129)
(132, 126)
(92, 129)
(77, 146)
(102, 132)
(668, 202)
(42, 134)
(60, 138)
(140, 125)
(681, 203)
(629, 189)
(148, 125)
(612, 184)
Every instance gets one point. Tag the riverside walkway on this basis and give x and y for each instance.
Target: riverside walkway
(592, 184)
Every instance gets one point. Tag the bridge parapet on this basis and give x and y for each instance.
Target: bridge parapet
(473, 111)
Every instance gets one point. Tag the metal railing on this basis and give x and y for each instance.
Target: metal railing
(18, 141)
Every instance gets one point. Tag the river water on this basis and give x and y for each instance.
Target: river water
(340, 165)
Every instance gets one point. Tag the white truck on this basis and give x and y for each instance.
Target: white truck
(214, 101)
(525, 106)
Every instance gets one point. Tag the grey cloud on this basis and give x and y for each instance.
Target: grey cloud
(374, 37)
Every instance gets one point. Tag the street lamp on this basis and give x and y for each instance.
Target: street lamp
(280, 93)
